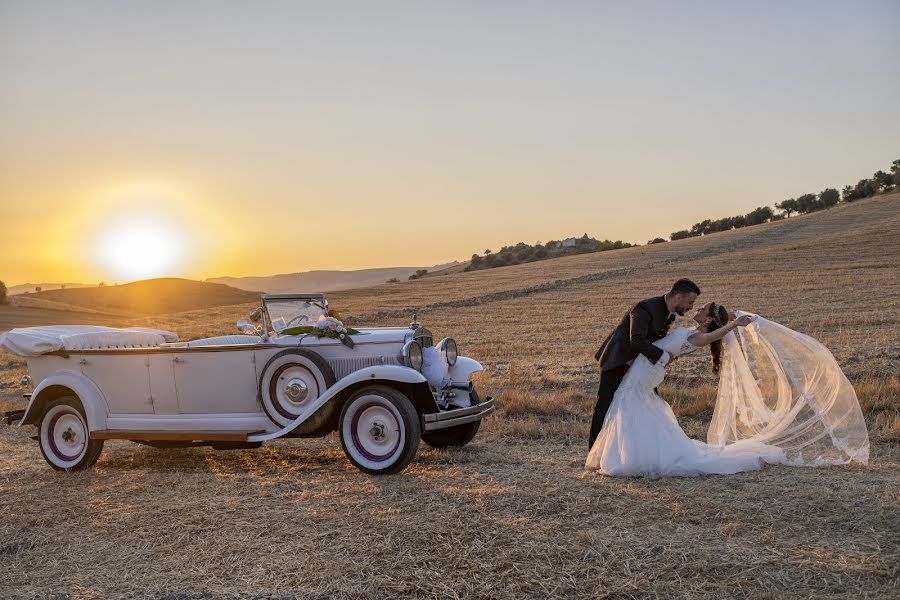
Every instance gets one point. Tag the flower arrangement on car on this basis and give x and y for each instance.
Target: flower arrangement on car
(328, 327)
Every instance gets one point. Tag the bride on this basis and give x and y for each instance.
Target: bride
(781, 399)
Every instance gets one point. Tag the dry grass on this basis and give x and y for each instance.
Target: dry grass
(513, 515)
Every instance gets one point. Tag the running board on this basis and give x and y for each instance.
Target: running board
(172, 436)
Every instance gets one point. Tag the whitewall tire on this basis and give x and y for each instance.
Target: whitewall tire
(64, 436)
(380, 430)
(291, 381)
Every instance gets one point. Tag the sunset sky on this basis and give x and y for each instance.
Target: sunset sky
(202, 139)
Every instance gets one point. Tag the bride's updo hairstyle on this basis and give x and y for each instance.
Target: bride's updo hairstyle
(719, 317)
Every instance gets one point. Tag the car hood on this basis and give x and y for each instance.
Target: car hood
(366, 335)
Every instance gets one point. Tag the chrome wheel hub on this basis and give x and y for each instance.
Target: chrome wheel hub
(296, 390)
(373, 430)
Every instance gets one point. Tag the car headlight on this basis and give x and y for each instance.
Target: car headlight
(412, 355)
(450, 350)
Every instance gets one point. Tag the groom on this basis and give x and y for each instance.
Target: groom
(646, 322)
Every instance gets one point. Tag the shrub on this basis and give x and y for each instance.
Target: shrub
(807, 203)
(787, 207)
(829, 197)
(863, 189)
(763, 214)
(882, 182)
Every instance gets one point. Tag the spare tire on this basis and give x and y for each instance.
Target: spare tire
(291, 381)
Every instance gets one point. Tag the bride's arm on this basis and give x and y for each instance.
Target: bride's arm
(705, 339)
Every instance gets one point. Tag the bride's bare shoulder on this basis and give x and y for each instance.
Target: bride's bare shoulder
(691, 332)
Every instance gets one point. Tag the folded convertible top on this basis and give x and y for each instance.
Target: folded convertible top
(34, 341)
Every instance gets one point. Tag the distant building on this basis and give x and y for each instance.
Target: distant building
(569, 242)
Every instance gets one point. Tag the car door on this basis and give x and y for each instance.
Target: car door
(216, 381)
(162, 384)
(123, 378)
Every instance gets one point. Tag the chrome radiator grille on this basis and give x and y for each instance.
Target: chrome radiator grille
(344, 366)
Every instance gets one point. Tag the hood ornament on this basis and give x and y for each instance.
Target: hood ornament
(415, 322)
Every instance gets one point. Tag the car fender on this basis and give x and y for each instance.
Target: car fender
(386, 373)
(88, 393)
(464, 367)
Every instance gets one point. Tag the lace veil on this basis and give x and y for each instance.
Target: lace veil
(785, 389)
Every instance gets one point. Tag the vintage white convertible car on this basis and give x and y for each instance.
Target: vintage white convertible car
(92, 384)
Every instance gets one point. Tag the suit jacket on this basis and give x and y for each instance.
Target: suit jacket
(646, 322)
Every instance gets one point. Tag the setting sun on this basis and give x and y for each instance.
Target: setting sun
(140, 250)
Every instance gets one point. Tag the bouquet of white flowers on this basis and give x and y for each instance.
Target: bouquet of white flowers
(325, 327)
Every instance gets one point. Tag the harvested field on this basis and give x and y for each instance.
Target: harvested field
(513, 514)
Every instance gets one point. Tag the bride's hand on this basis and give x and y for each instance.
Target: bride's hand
(743, 320)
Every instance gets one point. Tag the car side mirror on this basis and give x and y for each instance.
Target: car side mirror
(255, 315)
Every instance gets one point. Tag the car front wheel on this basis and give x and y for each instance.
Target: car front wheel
(64, 436)
(454, 437)
(380, 430)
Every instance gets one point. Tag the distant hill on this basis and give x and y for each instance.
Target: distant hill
(322, 281)
(47, 312)
(151, 296)
(33, 301)
(27, 288)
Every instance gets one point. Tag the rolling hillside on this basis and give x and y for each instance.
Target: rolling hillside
(150, 297)
(322, 281)
(28, 288)
(859, 238)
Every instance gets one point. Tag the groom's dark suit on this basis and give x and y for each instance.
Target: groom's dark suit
(646, 322)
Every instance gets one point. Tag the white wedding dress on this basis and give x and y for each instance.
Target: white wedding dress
(782, 399)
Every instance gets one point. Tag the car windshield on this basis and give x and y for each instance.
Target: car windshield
(294, 312)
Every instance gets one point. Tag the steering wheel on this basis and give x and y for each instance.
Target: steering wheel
(303, 317)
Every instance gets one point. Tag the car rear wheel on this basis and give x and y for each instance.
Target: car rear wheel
(380, 430)
(64, 436)
(291, 381)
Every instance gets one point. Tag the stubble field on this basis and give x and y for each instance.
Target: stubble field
(513, 514)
